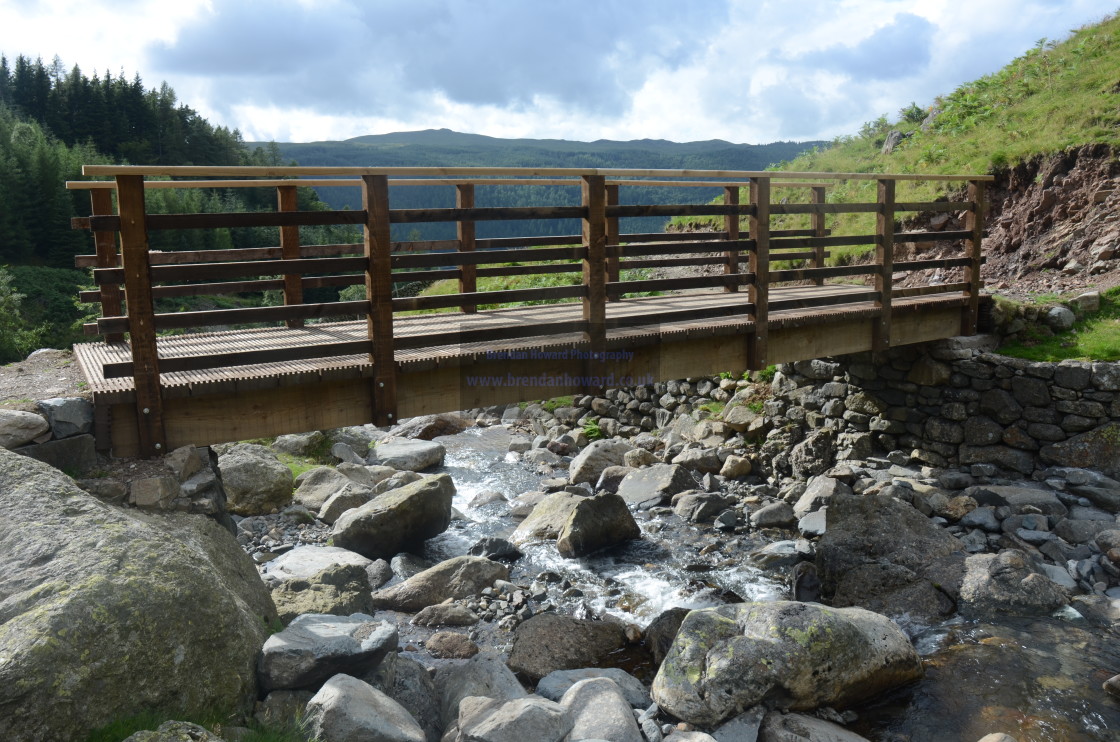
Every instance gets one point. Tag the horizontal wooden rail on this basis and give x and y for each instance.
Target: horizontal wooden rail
(935, 206)
(615, 212)
(473, 172)
(247, 315)
(416, 303)
(206, 271)
(480, 257)
(86, 185)
(824, 208)
(805, 274)
(933, 288)
(620, 288)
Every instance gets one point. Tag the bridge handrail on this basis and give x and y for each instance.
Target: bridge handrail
(598, 255)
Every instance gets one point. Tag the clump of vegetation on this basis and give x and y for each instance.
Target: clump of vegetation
(17, 337)
(551, 405)
(1093, 337)
(592, 431)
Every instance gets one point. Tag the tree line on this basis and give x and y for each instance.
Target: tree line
(51, 123)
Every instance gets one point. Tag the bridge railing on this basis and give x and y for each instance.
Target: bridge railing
(593, 261)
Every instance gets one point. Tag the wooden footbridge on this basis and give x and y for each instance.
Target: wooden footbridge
(310, 366)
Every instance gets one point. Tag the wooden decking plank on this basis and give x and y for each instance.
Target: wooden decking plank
(414, 328)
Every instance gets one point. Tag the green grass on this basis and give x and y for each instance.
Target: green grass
(551, 405)
(1095, 337)
(1056, 96)
(713, 407)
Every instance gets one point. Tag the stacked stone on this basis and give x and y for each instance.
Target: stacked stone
(953, 403)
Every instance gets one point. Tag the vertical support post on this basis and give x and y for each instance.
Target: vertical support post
(286, 200)
(141, 315)
(594, 233)
(731, 226)
(379, 293)
(612, 238)
(105, 243)
(884, 257)
(974, 222)
(817, 196)
(757, 350)
(465, 232)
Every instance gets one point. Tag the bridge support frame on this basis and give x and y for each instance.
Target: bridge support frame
(141, 315)
(884, 256)
(974, 222)
(379, 293)
(757, 350)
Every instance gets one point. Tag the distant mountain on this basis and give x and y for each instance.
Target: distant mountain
(446, 148)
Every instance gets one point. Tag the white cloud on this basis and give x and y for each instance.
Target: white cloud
(742, 70)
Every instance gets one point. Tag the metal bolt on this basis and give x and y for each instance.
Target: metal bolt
(381, 384)
(146, 410)
(158, 446)
(390, 416)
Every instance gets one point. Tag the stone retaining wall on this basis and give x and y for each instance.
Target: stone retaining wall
(949, 403)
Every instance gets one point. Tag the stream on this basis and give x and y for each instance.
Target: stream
(1036, 679)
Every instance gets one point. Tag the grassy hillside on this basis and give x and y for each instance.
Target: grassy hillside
(1057, 95)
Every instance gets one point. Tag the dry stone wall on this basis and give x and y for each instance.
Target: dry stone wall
(956, 403)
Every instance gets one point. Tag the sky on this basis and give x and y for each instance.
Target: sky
(747, 71)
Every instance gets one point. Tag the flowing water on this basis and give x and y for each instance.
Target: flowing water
(1036, 679)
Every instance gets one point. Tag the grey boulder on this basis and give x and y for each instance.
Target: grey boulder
(316, 646)
(407, 455)
(599, 710)
(655, 484)
(459, 577)
(589, 464)
(801, 655)
(68, 415)
(397, 520)
(349, 710)
(18, 428)
(127, 603)
(1007, 584)
(256, 482)
(596, 523)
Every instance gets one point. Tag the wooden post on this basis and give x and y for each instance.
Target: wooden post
(594, 232)
(757, 351)
(731, 224)
(817, 196)
(974, 221)
(286, 200)
(141, 320)
(465, 232)
(884, 257)
(105, 243)
(612, 248)
(379, 292)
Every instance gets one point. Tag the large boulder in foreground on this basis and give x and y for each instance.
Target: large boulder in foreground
(105, 612)
(794, 655)
(397, 520)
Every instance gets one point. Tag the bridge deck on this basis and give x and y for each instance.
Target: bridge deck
(425, 336)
